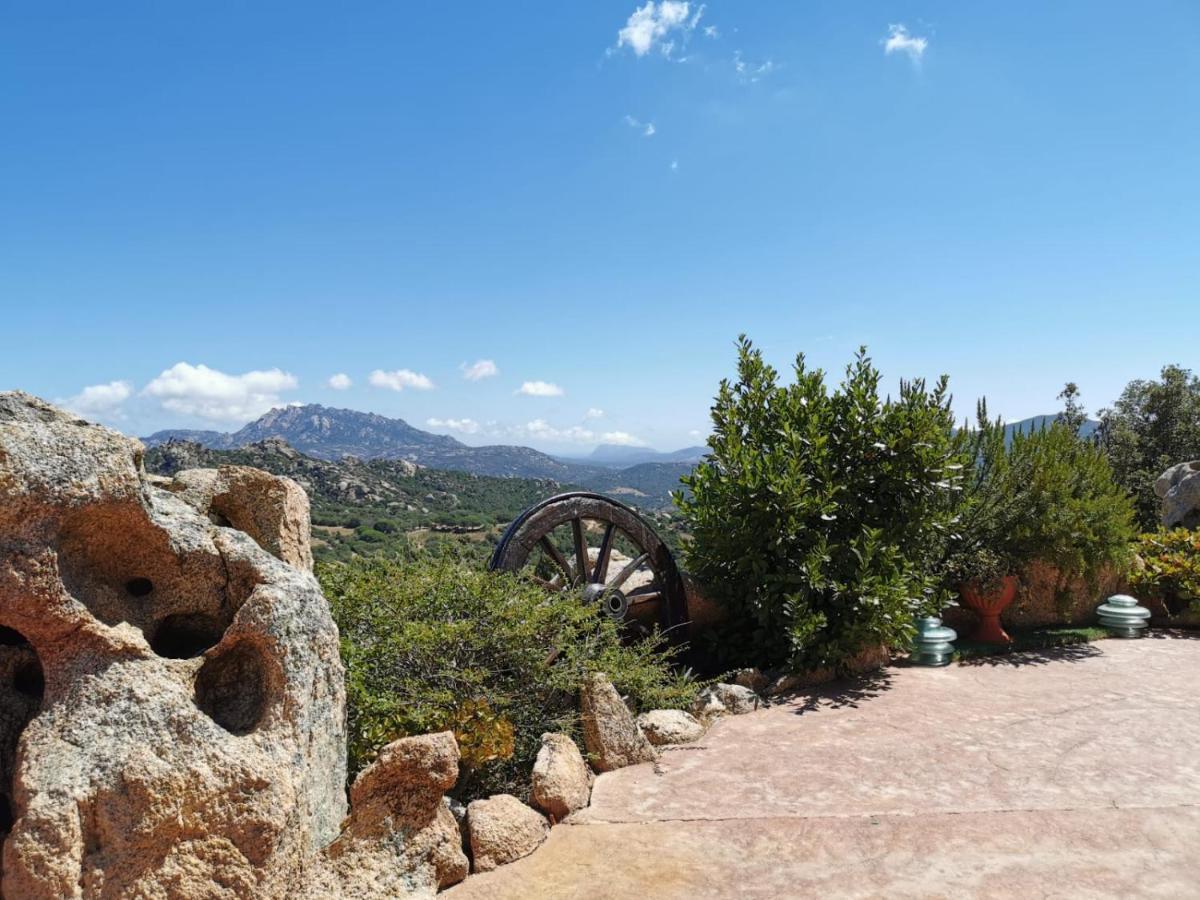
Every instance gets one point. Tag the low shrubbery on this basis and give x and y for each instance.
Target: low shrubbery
(434, 644)
(1041, 496)
(816, 516)
(1170, 570)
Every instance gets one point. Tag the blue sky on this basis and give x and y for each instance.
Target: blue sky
(209, 209)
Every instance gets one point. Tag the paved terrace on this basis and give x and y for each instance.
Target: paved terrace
(1073, 773)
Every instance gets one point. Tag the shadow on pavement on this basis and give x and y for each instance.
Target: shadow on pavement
(1017, 658)
(838, 694)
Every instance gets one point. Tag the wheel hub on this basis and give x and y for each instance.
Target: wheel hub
(613, 603)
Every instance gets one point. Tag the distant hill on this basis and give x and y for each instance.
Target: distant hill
(1034, 423)
(646, 484)
(327, 433)
(617, 454)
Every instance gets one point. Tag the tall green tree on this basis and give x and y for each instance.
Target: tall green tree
(1152, 426)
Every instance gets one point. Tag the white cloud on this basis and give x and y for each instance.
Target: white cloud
(900, 41)
(647, 128)
(339, 382)
(466, 426)
(710, 31)
(624, 438)
(648, 25)
(594, 413)
(541, 430)
(674, 165)
(400, 379)
(540, 389)
(100, 399)
(480, 369)
(696, 433)
(211, 394)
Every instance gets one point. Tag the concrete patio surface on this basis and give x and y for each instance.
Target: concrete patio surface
(1068, 773)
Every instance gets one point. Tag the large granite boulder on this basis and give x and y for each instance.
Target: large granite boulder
(1179, 490)
(174, 710)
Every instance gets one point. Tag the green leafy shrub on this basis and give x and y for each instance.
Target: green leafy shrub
(816, 517)
(1044, 495)
(435, 644)
(1171, 570)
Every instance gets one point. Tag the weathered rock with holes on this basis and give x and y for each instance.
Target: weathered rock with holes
(271, 509)
(610, 734)
(181, 727)
(670, 726)
(1179, 490)
(503, 829)
(401, 836)
(560, 781)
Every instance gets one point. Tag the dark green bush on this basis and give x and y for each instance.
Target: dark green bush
(432, 644)
(816, 517)
(1045, 495)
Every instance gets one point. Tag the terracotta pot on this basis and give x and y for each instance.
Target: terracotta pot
(989, 606)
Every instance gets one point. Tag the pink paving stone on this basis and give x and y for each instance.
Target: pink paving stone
(1072, 773)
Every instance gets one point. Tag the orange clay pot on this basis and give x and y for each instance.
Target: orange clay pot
(989, 606)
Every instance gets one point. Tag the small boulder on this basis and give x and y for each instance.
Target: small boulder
(502, 829)
(612, 737)
(401, 830)
(670, 726)
(1179, 490)
(725, 699)
(560, 777)
(753, 679)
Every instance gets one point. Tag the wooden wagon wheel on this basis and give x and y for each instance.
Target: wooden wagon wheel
(641, 586)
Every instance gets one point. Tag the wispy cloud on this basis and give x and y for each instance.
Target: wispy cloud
(540, 389)
(657, 25)
(340, 382)
(479, 370)
(751, 73)
(400, 379)
(646, 128)
(464, 426)
(710, 31)
(211, 394)
(541, 430)
(899, 40)
(594, 413)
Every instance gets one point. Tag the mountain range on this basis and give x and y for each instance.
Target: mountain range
(331, 434)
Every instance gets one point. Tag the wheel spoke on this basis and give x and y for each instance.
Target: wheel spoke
(624, 574)
(555, 554)
(548, 585)
(643, 596)
(602, 558)
(581, 556)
